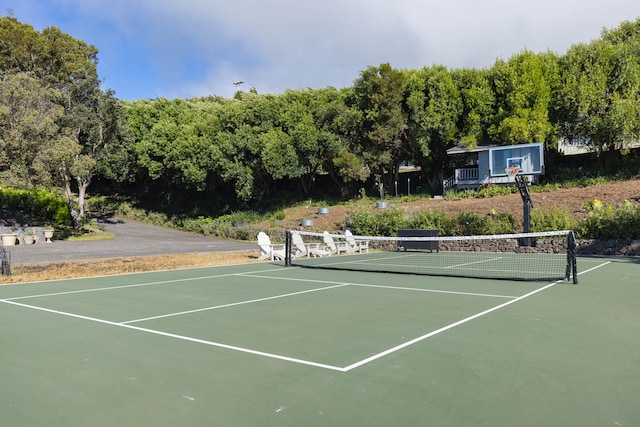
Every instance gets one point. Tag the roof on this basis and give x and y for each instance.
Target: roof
(460, 149)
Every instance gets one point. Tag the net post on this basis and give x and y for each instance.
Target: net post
(5, 259)
(572, 263)
(287, 248)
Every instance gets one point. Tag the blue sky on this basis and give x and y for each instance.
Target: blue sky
(186, 48)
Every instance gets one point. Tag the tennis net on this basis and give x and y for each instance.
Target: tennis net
(525, 256)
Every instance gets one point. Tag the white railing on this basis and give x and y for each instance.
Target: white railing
(464, 174)
(447, 184)
(467, 174)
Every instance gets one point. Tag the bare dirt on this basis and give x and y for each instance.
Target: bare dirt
(570, 199)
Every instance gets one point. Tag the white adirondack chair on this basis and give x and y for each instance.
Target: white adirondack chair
(307, 249)
(356, 245)
(332, 246)
(268, 250)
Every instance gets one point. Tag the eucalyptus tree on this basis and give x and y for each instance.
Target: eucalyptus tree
(435, 106)
(379, 94)
(599, 95)
(523, 88)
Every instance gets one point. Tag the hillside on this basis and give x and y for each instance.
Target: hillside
(571, 199)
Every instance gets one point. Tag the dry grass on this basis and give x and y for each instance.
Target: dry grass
(103, 267)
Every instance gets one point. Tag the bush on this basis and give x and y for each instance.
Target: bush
(605, 221)
(383, 223)
(552, 220)
(36, 205)
(472, 224)
(389, 221)
(432, 220)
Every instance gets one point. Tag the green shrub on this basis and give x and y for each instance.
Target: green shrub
(552, 219)
(386, 222)
(605, 221)
(432, 220)
(500, 223)
(472, 224)
(484, 192)
(36, 205)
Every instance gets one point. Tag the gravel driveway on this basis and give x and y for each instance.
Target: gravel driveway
(131, 239)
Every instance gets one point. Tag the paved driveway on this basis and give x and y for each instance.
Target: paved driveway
(131, 239)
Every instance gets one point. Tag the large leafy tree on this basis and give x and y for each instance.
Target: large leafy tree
(238, 150)
(523, 87)
(28, 126)
(478, 102)
(21, 47)
(434, 105)
(68, 67)
(599, 98)
(92, 121)
(338, 124)
(379, 94)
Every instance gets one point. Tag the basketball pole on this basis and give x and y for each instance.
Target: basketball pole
(527, 203)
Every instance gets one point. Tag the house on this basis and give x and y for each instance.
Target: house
(486, 165)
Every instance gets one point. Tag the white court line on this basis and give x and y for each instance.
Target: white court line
(464, 264)
(434, 290)
(109, 288)
(182, 337)
(364, 285)
(232, 304)
(458, 323)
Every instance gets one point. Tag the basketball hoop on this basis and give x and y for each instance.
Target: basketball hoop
(512, 171)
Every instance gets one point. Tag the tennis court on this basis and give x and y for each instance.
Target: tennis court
(263, 344)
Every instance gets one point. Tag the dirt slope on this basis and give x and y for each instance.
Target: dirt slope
(571, 199)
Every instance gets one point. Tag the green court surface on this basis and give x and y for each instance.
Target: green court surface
(267, 345)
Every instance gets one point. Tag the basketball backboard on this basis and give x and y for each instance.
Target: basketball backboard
(528, 157)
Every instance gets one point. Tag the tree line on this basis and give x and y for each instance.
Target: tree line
(59, 129)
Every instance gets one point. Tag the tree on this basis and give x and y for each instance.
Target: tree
(91, 123)
(434, 105)
(338, 126)
(478, 103)
(599, 95)
(28, 125)
(21, 47)
(379, 94)
(523, 87)
(67, 69)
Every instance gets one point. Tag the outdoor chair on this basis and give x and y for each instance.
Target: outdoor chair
(356, 245)
(333, 247)
(268, 250)
(307, 249)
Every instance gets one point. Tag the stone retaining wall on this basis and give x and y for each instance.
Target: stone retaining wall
(547, 245)
(608, 247)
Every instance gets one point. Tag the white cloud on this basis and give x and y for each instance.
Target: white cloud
(278, 44)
